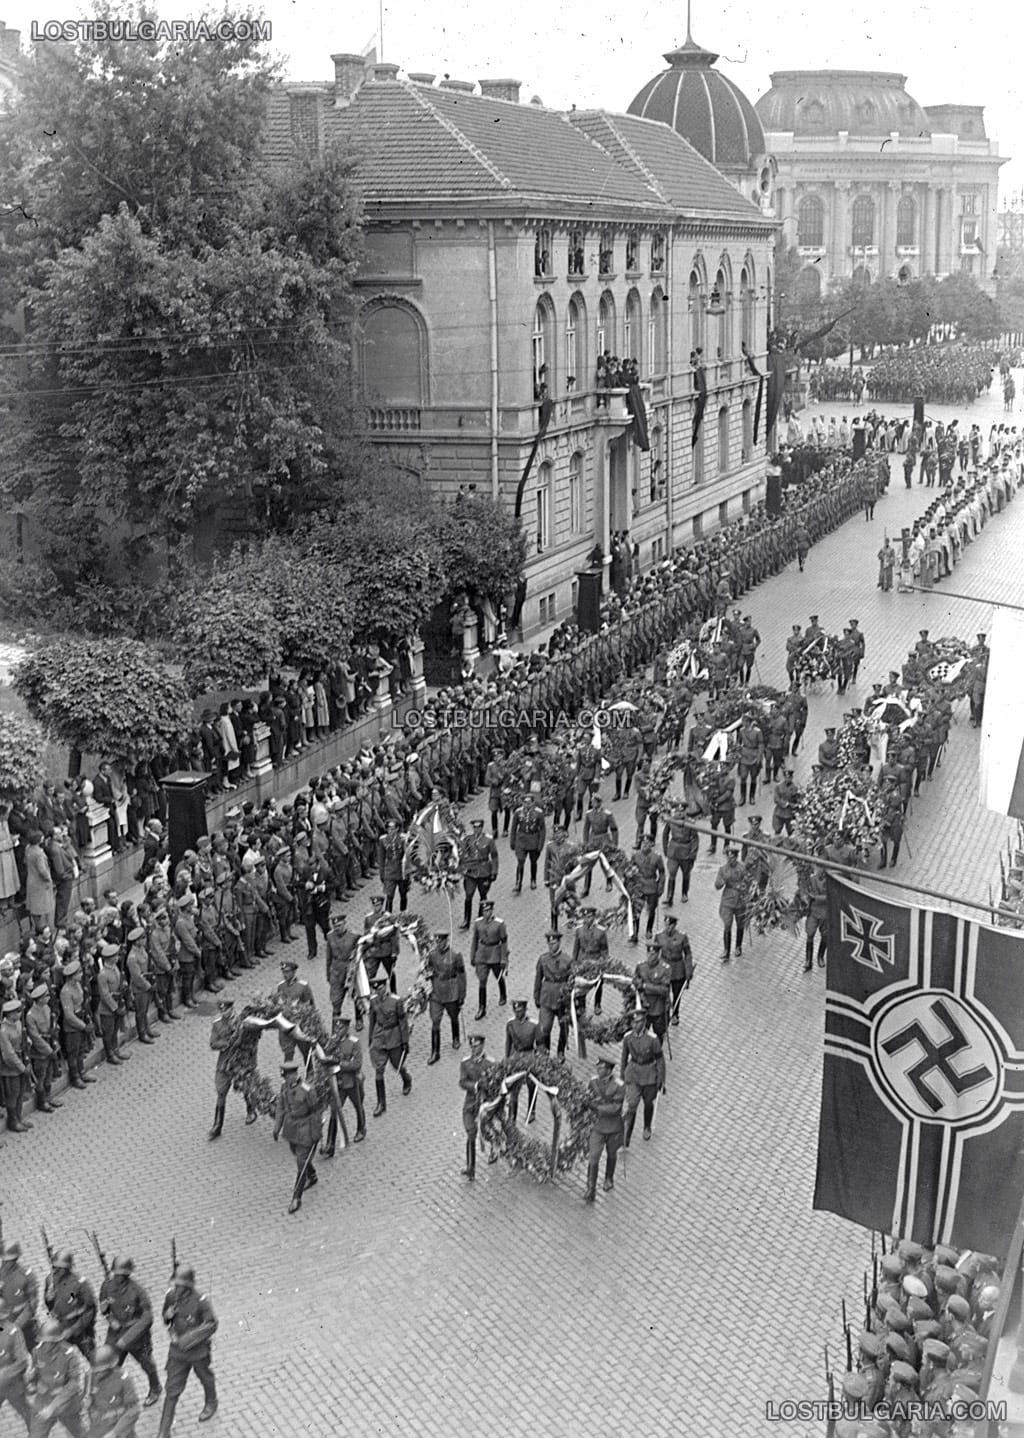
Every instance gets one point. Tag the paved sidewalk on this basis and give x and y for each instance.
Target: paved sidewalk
(403, 1301)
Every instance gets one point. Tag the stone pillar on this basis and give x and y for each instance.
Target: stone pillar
(261, 738)
(382, 704)
(419, 683)
(943, 226)
(98, 856)
(470, 643)
(842, 265)
(926, 231)
(887, 252)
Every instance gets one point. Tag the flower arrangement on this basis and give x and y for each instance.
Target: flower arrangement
(662, 776)
(570, 1103)
(840, 801)
(432, 852)
(778, 906)
(242, 1062)
(585, 975)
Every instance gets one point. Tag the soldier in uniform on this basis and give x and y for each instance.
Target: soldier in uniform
(755, 860)
(527, 839)
(471, 1071)
(186, 939)
(391, 864)
(346, 1053)
(549, 992)
(211, 952)
(558, 861)
(494, 781)
(446, 971)
(815, 897)
(75, 1023)
(680, 844)
(828, 751)
(751, 757)
(57, 1383)
(600, 832)
(341, 948)
(606, 1096)
(381, 949)
(479, 864)
(191, 1324)
(731, 879)
(628, 758)
(19, 1293)
(292, 995)
(14, 1363)
(125, 1305)
(41, 1035)
(786, 796)
(796, 704)
(590, 943)
(70, 1299)
(722, 795)
(389, 1041)
(110, 987)
(520, 1038)
(674, 948)
(223, 1036)
(113, 1405)
(651, 870)
(653, 979)
(488, 954)
(299, 1118)
(643, 1071)
(140, 985)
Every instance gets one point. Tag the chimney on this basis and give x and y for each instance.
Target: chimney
(10, 43)
(421, 77)
(461, 87)
(349, 74)
(385, 72)
(501, 90)
(304, 115)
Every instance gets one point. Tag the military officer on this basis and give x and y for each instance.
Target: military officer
(680, 844)
(558, 861)
(471, 1071)
(110, 987)
(41, 1036)
(674, 948)
(223, 1036)
(731, 879)
(294, 997)
(341, 948)
(74, 1019)
(796, 707)
(630, 749)
(113, 1405)
(347, 1054)
(391, 866)
(446, 971)
(380, 951)
(479, 863)
(520, 1038)
(605, 1096)
(722, 796)
(298, 1116)
(653, 979)
(14, 1362)
(600, 832)
(590, 945)
(57, 1383)
(651, 871)
(527, 839)
(814, 891)
(549, 992)
(643, 1070)
(891, 826)
(125, 1305)
(191, 1324)
(494, 782)
(19, 1293)
(786, 796)
(70, 1300)
(488, 954)
(751, 757)
(754, 860)
(389, 1041)
(828, 751)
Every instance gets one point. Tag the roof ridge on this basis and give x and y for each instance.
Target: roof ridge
(648, 175)
(456, 133)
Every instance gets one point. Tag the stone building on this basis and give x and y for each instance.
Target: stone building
(508, 248)
(870, 180)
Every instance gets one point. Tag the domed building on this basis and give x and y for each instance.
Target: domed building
(714, 115)
(869, 180)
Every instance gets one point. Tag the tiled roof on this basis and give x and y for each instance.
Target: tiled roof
(704, 106)
(684, 179)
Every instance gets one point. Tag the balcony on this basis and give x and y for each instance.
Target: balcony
(393, 421)
(908, 252)
(811, 252)
(863, 252)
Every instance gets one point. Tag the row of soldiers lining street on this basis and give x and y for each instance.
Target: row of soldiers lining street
(53, 1374)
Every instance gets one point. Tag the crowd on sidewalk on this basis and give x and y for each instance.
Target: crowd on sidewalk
(944, 374)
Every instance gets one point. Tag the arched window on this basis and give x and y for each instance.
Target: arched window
(906, 221)
(808, 285)
(542, 507)
(812, 115)
(747, 308)
(748, 429)
(657, 254)
(723, 440)
(810, 221)
(576, 344)
(863, 221)
(543, 349)
(723, 320)
(632, 330)
(657, 334)
(393, 351)
(866, 112)
(576, 493)
(695, 301)
(542, 263)
(606, 325)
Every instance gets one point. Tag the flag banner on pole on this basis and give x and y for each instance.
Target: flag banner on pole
(921, 1131)
(1002, 724)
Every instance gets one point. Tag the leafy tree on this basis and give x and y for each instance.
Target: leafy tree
(229, 636)
(21, 758)
(108, 696)
(483, 547)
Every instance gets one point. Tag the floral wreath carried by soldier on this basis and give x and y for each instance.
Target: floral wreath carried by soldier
(436, 836)
(311, 1038)
(585, 977)
(571, 1114)
(621, 873)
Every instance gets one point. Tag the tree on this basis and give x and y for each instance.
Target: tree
(229, 636)
(109, 696)
(483, 547)
(21, 758)
(396, 569)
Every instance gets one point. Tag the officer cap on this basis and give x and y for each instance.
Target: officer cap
(519, 1003)
(670, 920)
(64, 1258)
(912, 1252)
(892, 1265)
(441, 934)
(289, 964)
(946, 1256)
(487, 903)
(477, 1039)
(830, 731)
(339, 919)
(947, 1280)
(12, 1006)
(604, 1063)
(290, 1066)
(903, 1372)
(936, 1350)
(105, 1357)
(553, 934)
(205, 895)
(122, 1264)
(914, 1288)
(855, 1385)
(39, 992)
(958, 1307)
(814, 619)
(652, 945)
(109, 951)
(376, 898)
(342, 1019)
(869, 1343)
(897, 1346)
(923, 633)
(71, 969)
(301, 839)
(926, 1328)
(12, 1249)
(184, 1276)
(225, 1004)
(51, 1328)
(139, 933)
(897, 1319)
(477, 823)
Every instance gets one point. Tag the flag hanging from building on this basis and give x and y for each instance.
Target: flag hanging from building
(1002, 724)
(700, 389)
(922, 1101)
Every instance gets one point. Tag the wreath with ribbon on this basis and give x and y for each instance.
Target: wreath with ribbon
(620, 872)
(584, 977)
(539, 1076)
(413, 929)
(311, 1038)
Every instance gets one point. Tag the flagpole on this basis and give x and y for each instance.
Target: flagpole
(971, 598)
(799, 857)
(989, 1427)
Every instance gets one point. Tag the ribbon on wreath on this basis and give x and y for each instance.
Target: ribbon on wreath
(597, 859)
(536, 1087)
(584, 986)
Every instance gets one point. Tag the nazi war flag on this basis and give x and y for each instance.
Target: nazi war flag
(922, 1104)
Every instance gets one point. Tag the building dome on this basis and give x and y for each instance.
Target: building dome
(823, 102)
(704, 107)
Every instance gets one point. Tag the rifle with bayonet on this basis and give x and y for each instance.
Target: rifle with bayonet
(100, 1254)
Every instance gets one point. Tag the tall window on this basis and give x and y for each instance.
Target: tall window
(393, 353)
(632, 253)
(969, 202)
(657, 334)
(577, 252)
(748, 430)
(723, 440)
(810, 221)
(696, 308)
(543, 349)
(657, 254)
(632, 330)
(606, 325)
(906, 222)
(542, 507)
(576, 493)
(606, 252)
(723, 321)
(542, 253)
(863, 221)
(576, 345)
(747, 308)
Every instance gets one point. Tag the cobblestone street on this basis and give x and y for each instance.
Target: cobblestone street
(402, 1300)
